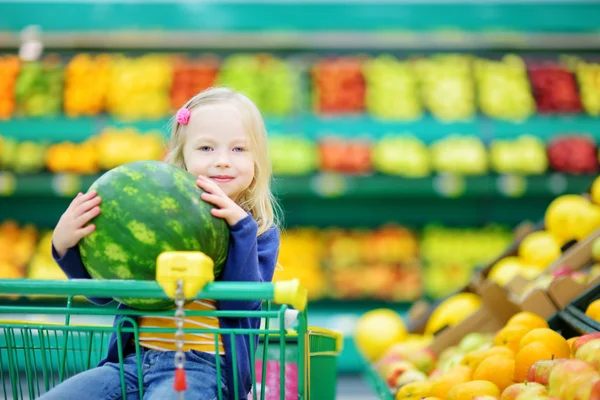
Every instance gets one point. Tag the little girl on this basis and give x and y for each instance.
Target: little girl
(220, 137)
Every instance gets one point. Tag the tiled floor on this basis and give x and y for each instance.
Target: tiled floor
(353, 387)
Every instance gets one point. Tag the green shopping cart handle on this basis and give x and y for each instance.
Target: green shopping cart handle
(151, 289)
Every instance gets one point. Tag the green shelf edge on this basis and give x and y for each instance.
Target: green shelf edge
(340, 186)
(56, 129)
(382, 17)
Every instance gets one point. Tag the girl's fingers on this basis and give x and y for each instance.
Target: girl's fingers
(88, 205)
(209, 186)
(87, 216)
(82, 198)
(218, 201)
(86, 230)
(219, 213)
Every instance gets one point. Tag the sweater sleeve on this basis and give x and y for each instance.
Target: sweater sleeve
(73, 267)
(249, 259)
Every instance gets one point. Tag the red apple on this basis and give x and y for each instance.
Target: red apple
(562, 271)
(574, 383)
(580, 341)
(410, 376)
(590, 352)
(392, 371)
(589, 390)
(423, 359)
(564, 371)
(511, 392)
(540, 371)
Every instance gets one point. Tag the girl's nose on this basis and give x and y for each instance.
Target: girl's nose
(222, 161)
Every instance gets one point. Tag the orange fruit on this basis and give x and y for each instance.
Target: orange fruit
(570, 341)
(510, 336)
(528, 319)
(593, 310)
(496, 369)
(552, 340)
(527, 356)
(467, 391)
(442, 385)
(473, 359)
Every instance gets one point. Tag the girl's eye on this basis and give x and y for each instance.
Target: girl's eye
(204, 148)
(239, 149)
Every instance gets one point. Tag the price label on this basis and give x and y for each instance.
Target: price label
(329, 185)
(8, 183)
(512, 185)
(557, 184)
(66, 185)
(450, 186)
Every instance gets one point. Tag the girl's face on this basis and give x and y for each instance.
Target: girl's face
(217, 146)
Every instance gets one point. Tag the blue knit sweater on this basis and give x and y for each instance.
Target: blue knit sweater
(250, 259)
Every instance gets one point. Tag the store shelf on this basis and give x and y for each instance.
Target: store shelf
(294, 24)
(337, 200)
(339, 186)
(356, 126)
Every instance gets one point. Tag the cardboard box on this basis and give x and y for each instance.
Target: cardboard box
(565, 289)
(545, 301)
(495, 311)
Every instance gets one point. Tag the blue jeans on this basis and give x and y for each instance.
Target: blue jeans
(158, 369)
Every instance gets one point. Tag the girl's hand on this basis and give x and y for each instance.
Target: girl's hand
(226, 208)
(71, 226)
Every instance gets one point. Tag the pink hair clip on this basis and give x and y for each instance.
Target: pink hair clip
(183, 116)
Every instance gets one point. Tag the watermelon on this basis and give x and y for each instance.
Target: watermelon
(149, 207)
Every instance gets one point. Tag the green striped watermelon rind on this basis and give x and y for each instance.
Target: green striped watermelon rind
(149, 207)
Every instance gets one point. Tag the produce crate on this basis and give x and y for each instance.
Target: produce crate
(578, 306)
(568, 325)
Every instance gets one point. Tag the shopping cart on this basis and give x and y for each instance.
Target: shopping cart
(292, 360)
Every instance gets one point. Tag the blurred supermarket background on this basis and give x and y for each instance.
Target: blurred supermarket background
(410, 140)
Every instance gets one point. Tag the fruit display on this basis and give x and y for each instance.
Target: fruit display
(525, 155)
(17, 246)
(158, 193)
(402, 155)
(503, 89)
(447, 86)
(42, 265)
(523, 360)
(554, 88)
(567, 218)
(452, 311)
(9, 70)
(300, 257)
(293, 155)
(139, 87)
(111, 148)
(588, 76)
(451, 255)
(573, 154)
(350, 156)
(452, 87)
(392, 89)
(121, 146)
(22, 157)
(39, 87)
(191, 76)
(271, 82)
(338, 85)
(461, 155)
(86, 83)
(382, 264)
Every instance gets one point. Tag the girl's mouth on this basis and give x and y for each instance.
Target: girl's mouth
(222, 178)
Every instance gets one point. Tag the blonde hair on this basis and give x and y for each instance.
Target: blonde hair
(257, 199)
